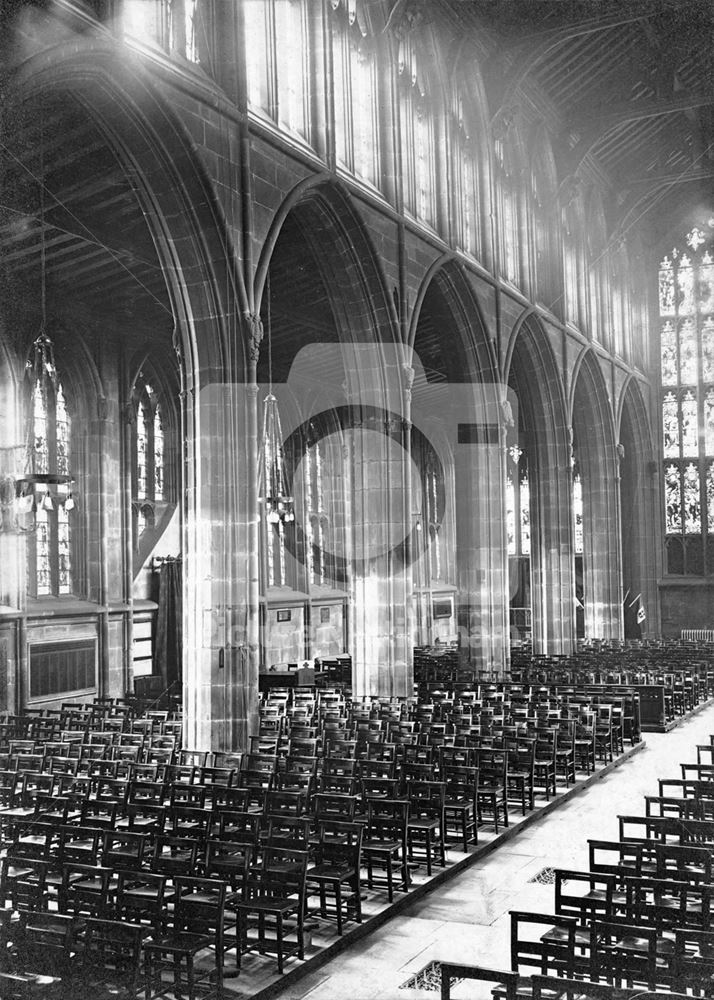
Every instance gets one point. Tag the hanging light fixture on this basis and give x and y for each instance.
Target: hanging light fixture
(272, 476)
(40, 473)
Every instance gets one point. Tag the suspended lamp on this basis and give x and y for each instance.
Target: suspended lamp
(43, 467)
(272, 477)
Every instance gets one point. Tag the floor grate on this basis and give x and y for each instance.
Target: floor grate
(428, 978)
(546, 876)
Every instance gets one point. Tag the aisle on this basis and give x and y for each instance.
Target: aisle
(467, 920)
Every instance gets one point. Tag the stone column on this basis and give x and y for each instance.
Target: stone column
(601, 544)
(482, 597)
(552, 564)
(381, 577)
(220, 563)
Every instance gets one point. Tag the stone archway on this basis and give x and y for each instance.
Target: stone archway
(533, 374)
(209, 307)
(596, 455)
(457, 400)
(330, 332)
(640, 513)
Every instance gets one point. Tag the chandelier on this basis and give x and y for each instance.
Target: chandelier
(34, 484)
(272, 476)
(272, 481)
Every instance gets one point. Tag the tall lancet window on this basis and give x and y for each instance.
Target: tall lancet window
(148, 466)
(356, 93)
(49, 549)
(277, 59)
(686, 307)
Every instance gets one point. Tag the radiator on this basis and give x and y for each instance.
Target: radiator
(698, 634)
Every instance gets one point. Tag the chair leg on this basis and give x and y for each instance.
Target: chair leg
(338, 906)
(279, 942)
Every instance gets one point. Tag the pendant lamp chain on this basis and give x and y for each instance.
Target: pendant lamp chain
(41, 469)
(272, 475)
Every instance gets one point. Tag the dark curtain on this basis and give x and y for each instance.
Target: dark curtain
(168, 624)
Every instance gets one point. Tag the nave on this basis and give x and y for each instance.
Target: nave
(467, 920)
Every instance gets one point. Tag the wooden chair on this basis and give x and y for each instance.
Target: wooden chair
(338, 860)
(111, 959)
(87, 890)
(425, 827)
(141, 898)
(23, 883)
(520, 775)
(229, 861)
(198, 924)
(276, 903)
(582, 896)
(693, 961)
(544, 771)
(529, 950)
(624, 953)
(174, 856)
(385, 843)
(548, 987)
(507, 981)
(493, 790)
(44, 943)
(461, 801)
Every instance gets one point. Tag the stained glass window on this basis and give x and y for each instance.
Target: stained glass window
(688, 351)
(518, 511)
(670, 425)
(511, 514)
(142, 445)
(686, 299)
(525, 509)
(277, 52)
(158, 455)
(464, 183)
(673, 499)
(666, 288)
(184, 27)
(315, 501)
(148, 458)
(708, 350)
(578, 513)
(669, 355)
(424, 178)
(709, 423)
(690, 427)
(291, 52)
(49, 547)
(356, 97)
(692, 503)
(417, 121)
(43, 559)
(64, 551)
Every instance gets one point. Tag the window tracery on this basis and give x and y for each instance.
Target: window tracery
(148, 456)
(49, 549)
(686, 279)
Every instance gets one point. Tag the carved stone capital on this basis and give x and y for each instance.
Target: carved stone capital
(255, 337)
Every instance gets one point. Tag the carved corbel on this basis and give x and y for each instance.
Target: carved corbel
(255, 337)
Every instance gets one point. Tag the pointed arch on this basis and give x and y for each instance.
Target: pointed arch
(533, 376)
(640, 513)
(457, 402)
(595, 454)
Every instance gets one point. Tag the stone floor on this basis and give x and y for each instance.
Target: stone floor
(466, 919)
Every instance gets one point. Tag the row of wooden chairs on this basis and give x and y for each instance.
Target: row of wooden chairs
(640, 915)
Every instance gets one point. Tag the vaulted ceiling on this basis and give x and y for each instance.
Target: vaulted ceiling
(626, 88)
